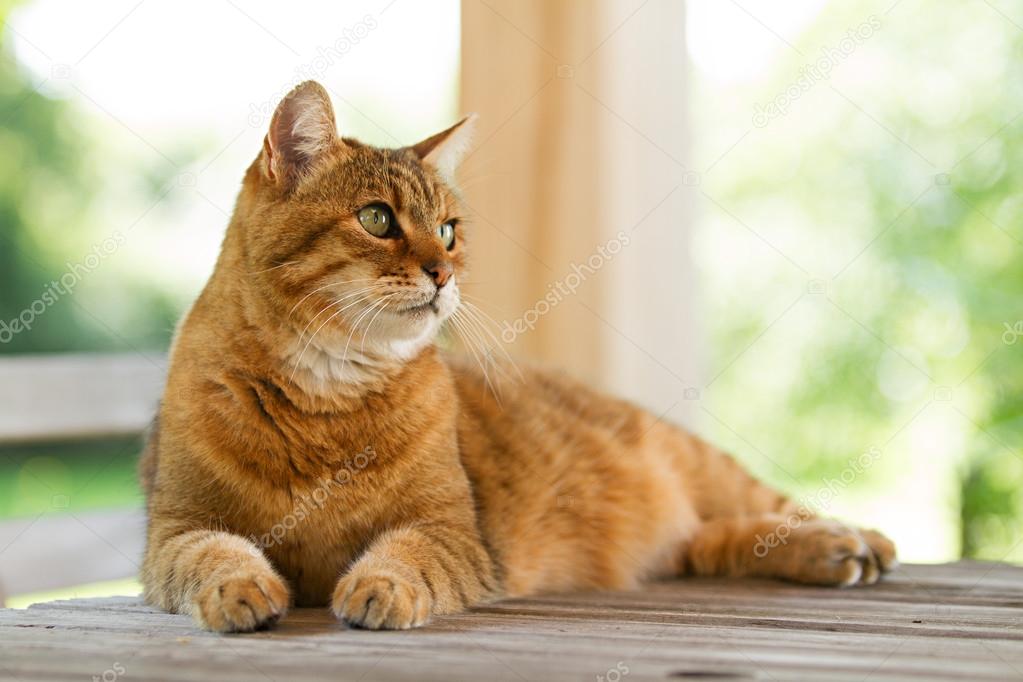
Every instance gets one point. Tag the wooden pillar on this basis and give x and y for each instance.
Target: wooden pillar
(579, 190)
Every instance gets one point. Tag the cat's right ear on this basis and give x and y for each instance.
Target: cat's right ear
(302, 131)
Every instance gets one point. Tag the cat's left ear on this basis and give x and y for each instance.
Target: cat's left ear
(445, 150)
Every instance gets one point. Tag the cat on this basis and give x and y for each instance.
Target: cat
(313, 445)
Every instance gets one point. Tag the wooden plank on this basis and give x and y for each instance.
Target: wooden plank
(51, 551)
(53, 397)
(961, 621)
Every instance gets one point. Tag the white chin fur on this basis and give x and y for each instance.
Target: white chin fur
(394, 338)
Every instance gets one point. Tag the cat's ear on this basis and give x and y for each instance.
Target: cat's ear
(301, 131)
(446, 149)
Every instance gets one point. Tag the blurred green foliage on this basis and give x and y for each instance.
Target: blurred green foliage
(51, 171)
(882, 293)
(58, 478)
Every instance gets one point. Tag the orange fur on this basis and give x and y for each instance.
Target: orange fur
(314, 447)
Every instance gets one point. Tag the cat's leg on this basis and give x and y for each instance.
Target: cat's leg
(223, 580)
(409, 573)
(797, 548)
(750, 529)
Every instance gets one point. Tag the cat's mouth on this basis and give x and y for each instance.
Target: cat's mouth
(422, 308)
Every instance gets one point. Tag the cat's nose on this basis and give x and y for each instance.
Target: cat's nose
(439, 271)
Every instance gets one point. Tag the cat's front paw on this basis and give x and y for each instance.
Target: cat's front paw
(382, 600)
(241, 602)
(824, 552)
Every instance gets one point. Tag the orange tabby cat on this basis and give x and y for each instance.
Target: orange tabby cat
(314, 447)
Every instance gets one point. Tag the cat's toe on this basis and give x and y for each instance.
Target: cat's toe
(882, 548)
(381, 601)
(829, 553)
(241, 603)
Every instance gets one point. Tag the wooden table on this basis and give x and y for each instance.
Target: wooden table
(957, 621)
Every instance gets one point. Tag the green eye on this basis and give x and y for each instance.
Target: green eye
(446, 232)
(376, 219)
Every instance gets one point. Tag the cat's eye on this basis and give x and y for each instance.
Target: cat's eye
(377, 219)
(446, 232)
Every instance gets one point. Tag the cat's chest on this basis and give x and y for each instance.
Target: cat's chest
(320, 530)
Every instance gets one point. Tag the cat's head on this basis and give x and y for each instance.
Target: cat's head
(349, 244)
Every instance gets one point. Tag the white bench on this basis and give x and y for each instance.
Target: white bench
(47, 398)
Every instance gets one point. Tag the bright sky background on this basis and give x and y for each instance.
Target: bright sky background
(728, 46)
(150, 78)
(158, 67)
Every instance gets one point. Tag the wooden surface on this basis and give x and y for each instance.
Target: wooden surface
(958, 621)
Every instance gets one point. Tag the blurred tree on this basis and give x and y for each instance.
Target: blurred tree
(891, 186)
(48, 180)
(52, 170)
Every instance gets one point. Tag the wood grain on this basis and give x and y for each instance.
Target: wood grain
(951, 622)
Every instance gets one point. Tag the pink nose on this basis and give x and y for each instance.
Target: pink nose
(440, 272)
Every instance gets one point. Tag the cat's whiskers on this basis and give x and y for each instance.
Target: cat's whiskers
(298, 362)
(362, 346)
(481, 317)
(459, 326)
(480, 299)
(280, 265)
(327, 286)
(336, 303)
(485, 348)
(383, 303)
(474, 319)
(462, 327)
(355, 325)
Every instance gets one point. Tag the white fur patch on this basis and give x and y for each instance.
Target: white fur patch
(311, 131)
(334, 362)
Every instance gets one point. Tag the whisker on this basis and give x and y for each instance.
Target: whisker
(298, 362)
(326, 286)
(487, 350)
(362, 347)
(481, 316)
(355, 325)
(280, 265)
(471, 342)
(335, 303)
(463, 295)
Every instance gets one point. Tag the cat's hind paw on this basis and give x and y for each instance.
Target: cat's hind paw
(829, 553)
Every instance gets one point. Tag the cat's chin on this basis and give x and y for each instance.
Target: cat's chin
(404, 333)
